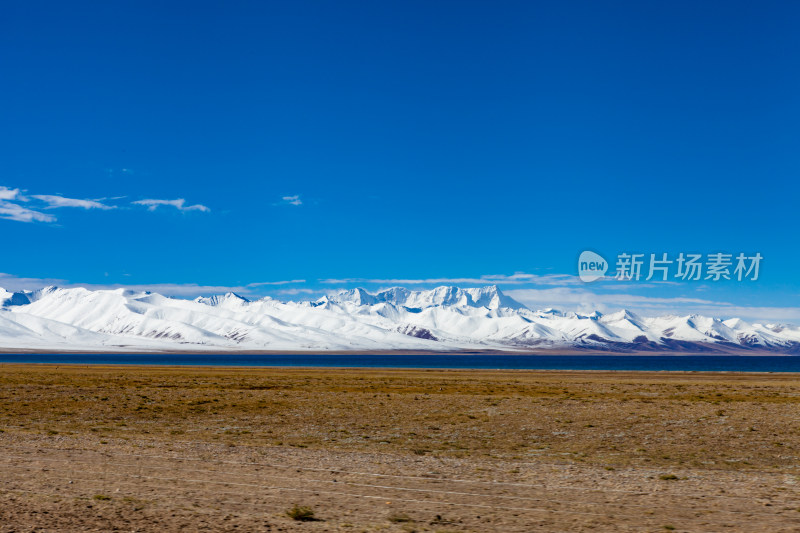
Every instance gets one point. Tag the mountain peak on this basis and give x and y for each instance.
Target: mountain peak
(357, 296)
(622, 314)
(492, 297)
(229, 298)
(550, 311)
(444, 296)
(24, 297)
(441, 318)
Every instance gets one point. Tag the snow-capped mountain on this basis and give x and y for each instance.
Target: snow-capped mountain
(441, 319)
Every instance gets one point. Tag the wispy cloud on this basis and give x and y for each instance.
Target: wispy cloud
(292, 200)
(10, 282)
(284, 282)
(298, 291)
(180, 290)
(585, 301)
(10, 209)
(518, 278)
(572, 297)
(178, 203)
(8, 194)
(55, 201)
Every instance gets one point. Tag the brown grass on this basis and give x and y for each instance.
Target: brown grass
(590, 450)
(730, 421)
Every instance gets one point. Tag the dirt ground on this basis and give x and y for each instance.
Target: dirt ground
(203, 449)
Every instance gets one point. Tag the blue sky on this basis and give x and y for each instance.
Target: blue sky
(297, 147)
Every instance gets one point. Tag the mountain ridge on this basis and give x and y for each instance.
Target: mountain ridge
(446, 318)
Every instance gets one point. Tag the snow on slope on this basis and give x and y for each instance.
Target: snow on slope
(445, 318)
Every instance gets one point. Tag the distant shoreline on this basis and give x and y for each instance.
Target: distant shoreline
(432, 362)
(401, 371)
(547, 352)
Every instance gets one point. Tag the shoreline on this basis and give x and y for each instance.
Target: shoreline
(398, 371)
(475, 363)
(547, 352)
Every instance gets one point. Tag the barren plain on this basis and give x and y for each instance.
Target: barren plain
(237, 449)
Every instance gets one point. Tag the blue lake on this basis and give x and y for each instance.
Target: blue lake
(716, 363)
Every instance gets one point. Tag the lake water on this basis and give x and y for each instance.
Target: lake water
(716, 363)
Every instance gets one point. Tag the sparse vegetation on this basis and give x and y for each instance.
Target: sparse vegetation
(663, 423)
(301, 514)
(399, 518)
(432, 414)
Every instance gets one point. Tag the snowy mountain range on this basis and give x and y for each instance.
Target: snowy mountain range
(441, 319)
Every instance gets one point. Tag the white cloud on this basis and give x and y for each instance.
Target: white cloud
(178, 203)
(12, 283)
(180, 290)
(8, 194)
(284, 282)
(571, 298)
(517, 278)
(292, 200)
(585, 301)
(11, 207)
(298, 291)
(54, 201)
(12, 211)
